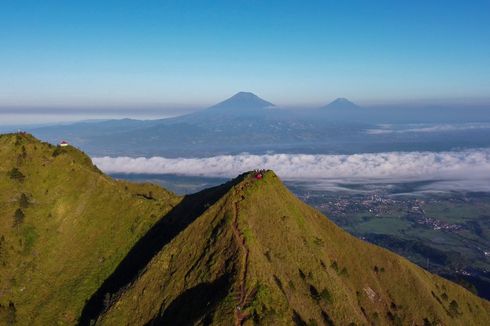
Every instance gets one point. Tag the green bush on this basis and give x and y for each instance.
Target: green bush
(453, 308)
(23, 201)
(57, 151)
(8, 314)
(344, 272)
(312, 322)
(18, 217)
(326, 296)
(15, 174)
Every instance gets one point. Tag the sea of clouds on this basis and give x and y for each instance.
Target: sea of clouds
(402, 166)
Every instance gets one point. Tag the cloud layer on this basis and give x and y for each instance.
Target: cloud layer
(454, 165)
(426, 128)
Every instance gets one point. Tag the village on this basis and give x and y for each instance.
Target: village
(347, 208)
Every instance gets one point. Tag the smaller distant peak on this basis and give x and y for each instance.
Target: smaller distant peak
(341, 103)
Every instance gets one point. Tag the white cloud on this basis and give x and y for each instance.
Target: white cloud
(453, 165)
(426, 128)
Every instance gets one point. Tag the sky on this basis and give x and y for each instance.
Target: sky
(183, 54)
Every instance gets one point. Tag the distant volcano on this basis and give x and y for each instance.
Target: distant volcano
(242, 101)
(341, 104)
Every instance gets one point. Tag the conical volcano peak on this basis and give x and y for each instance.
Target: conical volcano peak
(245, 95)
(243, 101)
(341, 100)
(341, 103)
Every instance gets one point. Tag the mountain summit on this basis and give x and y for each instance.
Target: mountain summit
(242, 101)
(341, 104)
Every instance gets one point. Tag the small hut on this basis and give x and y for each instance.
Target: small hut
(63, 143)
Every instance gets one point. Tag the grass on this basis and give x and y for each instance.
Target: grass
(288, 276)
(75, 227)
(90, 248)
(383, 225)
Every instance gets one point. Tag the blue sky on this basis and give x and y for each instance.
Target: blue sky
(194, 53)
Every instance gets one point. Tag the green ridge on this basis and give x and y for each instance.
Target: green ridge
(261, 256)
(64, 227)
(79, 247)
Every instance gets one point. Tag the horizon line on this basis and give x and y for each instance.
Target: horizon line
(181, 106)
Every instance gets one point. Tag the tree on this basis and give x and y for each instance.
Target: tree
(23, 201)
(15, 174)
(18, 217)
(11, 318)
(326, 296)
(454, 308)
(344, 272)
(2, 251)
(8, 314)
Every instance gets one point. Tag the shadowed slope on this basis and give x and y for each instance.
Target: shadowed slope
(148, 246)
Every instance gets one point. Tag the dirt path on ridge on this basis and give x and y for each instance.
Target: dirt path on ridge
(240, 316)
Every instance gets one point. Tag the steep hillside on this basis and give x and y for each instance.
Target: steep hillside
(258, 255)
(79, 247)
(64, 227)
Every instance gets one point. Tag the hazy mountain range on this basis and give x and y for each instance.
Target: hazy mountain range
(247, 123)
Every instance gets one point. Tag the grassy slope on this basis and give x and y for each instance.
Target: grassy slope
(192, 276)
(296, 267)
(78, 225)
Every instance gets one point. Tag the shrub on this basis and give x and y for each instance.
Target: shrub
(326, 318)
(326, 296)
(301, 273)
(15, 174)
(18, 217)
(312, 322)
(57, 151)
(11, 314)
(394, 318)
(314, 293)
(428, 322)
(453, 308)
(310, 275)
(344, 272)
(2, 249)
(318, 241)
(23, 201)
